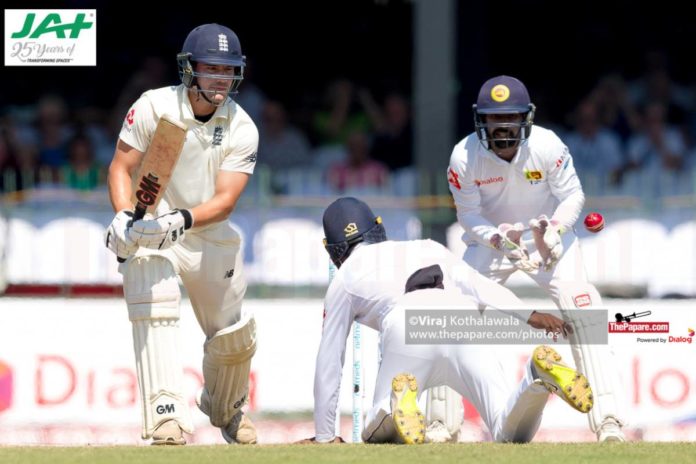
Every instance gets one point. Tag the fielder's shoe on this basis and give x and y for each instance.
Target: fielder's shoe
(562, 380)
(610, 430)
(408, 420)
(168, 433)
(240, 429)
(437, 432)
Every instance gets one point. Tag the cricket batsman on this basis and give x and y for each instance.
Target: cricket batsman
(518, 197)
(189, 237)
(375, 281)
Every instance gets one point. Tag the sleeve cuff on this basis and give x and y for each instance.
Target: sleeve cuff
(523, 315)
(188, 218)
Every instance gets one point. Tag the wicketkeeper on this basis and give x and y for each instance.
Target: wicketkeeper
(507, 178)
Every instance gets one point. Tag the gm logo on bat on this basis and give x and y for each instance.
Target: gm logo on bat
(51, 37)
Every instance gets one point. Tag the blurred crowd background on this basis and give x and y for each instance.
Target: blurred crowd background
(337, 89)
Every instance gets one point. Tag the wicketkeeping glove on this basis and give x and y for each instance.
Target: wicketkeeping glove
(117, 237)
(508, 240)
(163, 231)
(547, 239)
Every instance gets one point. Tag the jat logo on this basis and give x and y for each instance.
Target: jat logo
(52, 24)
(50, 37)
(5, 386)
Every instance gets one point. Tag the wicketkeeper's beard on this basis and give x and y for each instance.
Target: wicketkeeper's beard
(503, 139)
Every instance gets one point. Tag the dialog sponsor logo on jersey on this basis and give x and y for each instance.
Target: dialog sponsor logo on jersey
(490, 180)
(534, 177)
(56, 37)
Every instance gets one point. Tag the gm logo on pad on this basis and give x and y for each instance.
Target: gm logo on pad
(50, 37)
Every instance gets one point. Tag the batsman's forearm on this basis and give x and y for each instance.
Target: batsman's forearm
(120, 189)
(217, 209)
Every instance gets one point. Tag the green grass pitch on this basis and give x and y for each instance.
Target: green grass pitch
(535, 453)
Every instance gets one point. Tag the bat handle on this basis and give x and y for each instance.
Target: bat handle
(137, 215)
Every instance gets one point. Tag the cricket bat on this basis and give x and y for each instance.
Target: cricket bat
(157, 166)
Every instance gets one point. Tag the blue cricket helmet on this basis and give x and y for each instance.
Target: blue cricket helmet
(347, 222)
(503, 95)
(211, 44)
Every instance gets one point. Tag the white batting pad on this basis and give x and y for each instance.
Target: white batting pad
(595, 361)
(445, 405)
(152, 293)
(226, 365)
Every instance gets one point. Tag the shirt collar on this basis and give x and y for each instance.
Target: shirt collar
(225, 111)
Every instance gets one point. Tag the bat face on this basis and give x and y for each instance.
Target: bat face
(158, 165)
(148, 189)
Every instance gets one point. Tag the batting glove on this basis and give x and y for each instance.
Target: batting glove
(163, 231)
(547, 239)
(117, 237)
(508, 240)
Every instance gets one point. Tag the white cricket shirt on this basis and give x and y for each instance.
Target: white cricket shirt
(366, 288)
(488, 190)
(227, 142)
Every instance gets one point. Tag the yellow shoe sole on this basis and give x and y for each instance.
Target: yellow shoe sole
(572, 386)
(408, 419)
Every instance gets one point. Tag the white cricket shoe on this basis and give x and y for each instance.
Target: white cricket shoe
(437, 432)
(240, 429)
(610, 431)
(168, 433)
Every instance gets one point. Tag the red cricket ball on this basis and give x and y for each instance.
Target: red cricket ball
(594, 222)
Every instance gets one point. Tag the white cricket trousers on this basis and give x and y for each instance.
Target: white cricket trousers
(211, 267)
(568, 287)
(512, 413)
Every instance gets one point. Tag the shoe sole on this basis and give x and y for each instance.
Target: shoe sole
(570, 385)
(169, 439)
(409, 421)
(168, 442)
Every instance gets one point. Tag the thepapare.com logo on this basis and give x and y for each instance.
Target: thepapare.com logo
(50, 37)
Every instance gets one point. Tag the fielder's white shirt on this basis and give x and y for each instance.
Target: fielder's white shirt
(227, 142)
(366, 288)
(488, 190)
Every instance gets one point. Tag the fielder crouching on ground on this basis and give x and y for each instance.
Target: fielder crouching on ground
(191, 238)
(376, 280)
